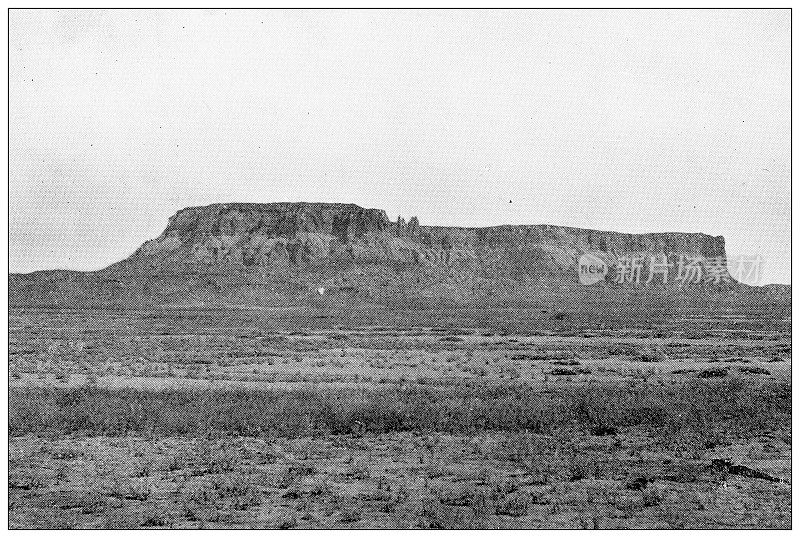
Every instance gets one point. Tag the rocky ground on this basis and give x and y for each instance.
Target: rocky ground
(400, 480)
(268, 421)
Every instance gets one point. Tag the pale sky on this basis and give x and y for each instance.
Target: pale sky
(634, 121)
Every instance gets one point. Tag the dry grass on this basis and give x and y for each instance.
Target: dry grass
(734, 403)
(224, 419)
(492, 480)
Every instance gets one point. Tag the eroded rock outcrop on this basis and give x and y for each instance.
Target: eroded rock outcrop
(264, 236)
(255, 251)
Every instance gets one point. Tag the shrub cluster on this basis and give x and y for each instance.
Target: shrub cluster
(743, 404)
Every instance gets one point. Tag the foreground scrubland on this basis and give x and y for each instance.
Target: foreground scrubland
(209, 419)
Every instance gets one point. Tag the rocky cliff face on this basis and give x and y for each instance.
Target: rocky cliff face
(304, 235)
(259, 235)
(278, 248)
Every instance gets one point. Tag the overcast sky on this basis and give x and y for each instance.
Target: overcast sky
(634, 121)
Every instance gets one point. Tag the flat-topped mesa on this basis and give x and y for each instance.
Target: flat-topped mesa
(522, 252)
(588, 240)
(269, 236)
(257, 235)
(277, 219)
(278, 253)
(547, 249)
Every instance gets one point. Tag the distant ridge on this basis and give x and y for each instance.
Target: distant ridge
(285, 252)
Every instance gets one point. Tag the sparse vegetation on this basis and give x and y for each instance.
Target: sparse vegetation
(261, 426)
(102, 411)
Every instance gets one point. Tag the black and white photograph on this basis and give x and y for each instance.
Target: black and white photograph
(344, 268)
